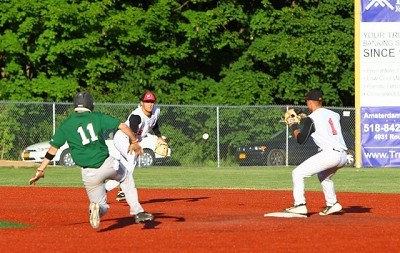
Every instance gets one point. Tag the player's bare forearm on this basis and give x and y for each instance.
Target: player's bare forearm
(134, 142)
(162, 139)
(52, 151)
(46, 161)
(296, 132)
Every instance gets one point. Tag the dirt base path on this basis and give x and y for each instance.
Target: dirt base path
(8, 163)
(197, 221)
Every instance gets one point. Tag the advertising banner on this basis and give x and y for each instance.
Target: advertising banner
(380, 136)
(379, 90)
(380, 10)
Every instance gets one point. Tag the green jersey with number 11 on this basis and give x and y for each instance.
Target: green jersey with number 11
(84, 134)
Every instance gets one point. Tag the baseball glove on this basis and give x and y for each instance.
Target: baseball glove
(161, 148)
(292, 117)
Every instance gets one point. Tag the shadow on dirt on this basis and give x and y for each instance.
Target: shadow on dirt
(174, 199)
(129, 221)
(356, 209)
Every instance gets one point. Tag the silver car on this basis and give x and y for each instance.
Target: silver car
(36, 152)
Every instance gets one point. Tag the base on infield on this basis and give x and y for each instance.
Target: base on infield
(285, 215)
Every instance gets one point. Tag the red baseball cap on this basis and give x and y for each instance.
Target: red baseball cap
(148, 97)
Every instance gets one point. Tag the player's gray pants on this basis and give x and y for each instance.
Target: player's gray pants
(94, 179)
(324, 164)
(128, 161)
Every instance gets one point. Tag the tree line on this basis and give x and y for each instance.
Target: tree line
(187, 52)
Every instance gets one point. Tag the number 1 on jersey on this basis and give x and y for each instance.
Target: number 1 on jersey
(93, 136)
(334, 132)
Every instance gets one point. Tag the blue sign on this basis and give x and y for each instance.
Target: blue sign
(380, 10)
(380, 135)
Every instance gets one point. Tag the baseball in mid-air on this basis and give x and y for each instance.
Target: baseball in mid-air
(205, 136)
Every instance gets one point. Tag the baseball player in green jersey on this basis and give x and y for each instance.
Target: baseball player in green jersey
(84, 133)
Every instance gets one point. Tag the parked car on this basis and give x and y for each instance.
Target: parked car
(272, 152)
(36, 152)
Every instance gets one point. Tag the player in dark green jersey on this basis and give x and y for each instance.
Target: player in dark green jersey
(84, 133)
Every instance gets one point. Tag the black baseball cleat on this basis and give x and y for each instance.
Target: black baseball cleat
(121, 196)
(143, 217)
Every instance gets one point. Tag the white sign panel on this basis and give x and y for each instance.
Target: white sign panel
(379, 87)
(380, 53)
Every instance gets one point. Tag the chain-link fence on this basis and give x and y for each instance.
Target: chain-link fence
(238, 135)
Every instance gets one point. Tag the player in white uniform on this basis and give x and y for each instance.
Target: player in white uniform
(324, 127)
(141, 121)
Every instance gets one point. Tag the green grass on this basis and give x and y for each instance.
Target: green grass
(6, 224)
(382, 180)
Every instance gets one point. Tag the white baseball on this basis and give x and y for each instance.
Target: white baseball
(205, 136)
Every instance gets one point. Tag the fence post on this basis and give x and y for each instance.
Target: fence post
(287, 142)
(54, 118)
(218, 152)
(54, 123)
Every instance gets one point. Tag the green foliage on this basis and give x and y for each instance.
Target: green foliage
(23, 125)
(309, 45)
(228, 128)
(7, 136)
(188, 52)
(187, 130)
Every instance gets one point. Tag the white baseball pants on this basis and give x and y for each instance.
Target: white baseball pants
(324, 164)
(127, 161)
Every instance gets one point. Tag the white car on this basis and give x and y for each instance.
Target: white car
(36, 152)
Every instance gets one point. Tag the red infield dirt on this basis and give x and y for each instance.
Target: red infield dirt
(197, 221)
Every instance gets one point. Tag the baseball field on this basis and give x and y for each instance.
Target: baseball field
(201, 210)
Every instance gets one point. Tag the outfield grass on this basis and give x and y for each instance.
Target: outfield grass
(382, 180)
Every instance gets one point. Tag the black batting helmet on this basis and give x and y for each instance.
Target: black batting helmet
(83, 100)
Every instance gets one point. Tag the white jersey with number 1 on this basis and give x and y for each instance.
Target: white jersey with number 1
(328, 132)
(146, 123)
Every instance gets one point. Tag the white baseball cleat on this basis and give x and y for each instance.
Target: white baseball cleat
(143, 217)
(297, 209)
(331, 209)
(94, 215)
